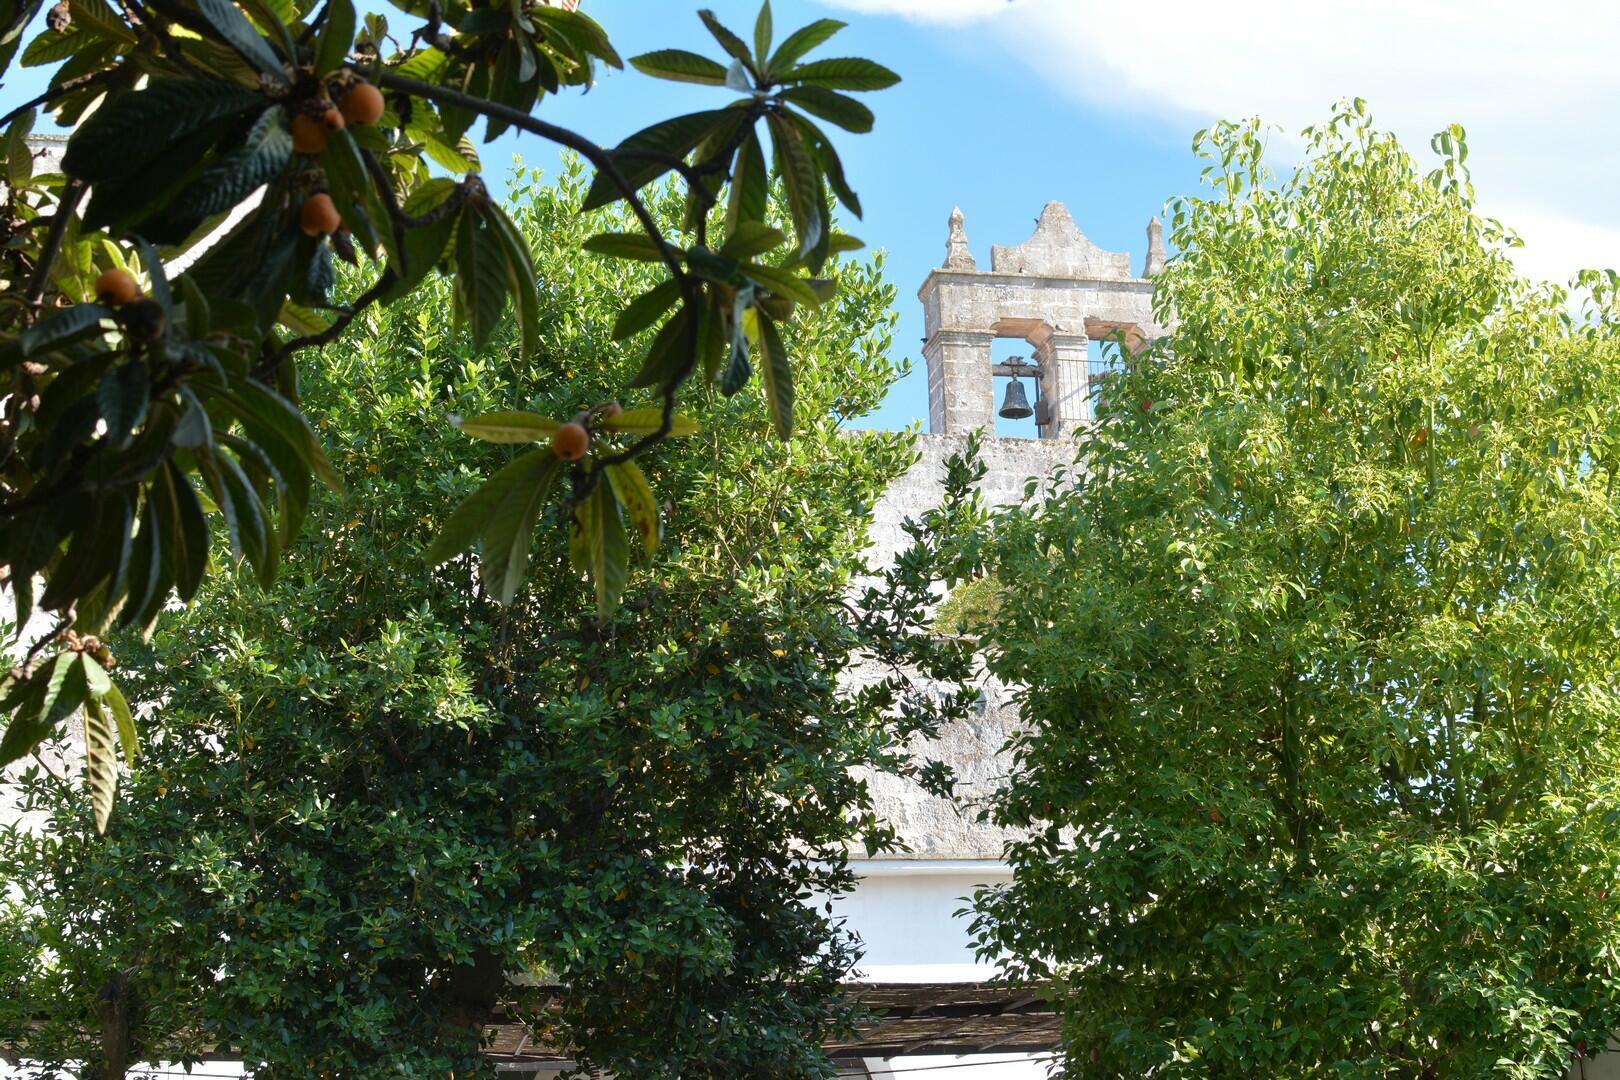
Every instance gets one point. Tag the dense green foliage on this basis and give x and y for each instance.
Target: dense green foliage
(256, 144)
(1319, 652)
(371, 789)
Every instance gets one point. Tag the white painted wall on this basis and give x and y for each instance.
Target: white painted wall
(905, 911)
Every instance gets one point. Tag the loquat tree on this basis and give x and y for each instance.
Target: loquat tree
(256, 144)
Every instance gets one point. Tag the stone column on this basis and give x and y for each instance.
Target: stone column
(1065, 383)
(961, 395)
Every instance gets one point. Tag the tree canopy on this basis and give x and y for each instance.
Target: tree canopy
(372, 792)
(255, 145)
(1317, 647)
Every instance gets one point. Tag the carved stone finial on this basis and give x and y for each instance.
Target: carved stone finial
(1058, 249)
(957, 255)
(1155, 252)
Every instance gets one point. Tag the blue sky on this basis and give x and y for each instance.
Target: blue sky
(964, 127)
(1008, 103)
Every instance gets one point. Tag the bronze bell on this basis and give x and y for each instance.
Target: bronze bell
(1015, 406)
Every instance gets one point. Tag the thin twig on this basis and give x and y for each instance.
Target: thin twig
(53, 240)
(54, 775)
(596, 155)
(274, 360)
(399, 221)
(59, 91)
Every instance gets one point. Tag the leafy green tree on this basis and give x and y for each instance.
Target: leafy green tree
(1319, 651)
(373, 790)
(132, 402)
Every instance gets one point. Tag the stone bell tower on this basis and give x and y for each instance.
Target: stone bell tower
(1057, 291)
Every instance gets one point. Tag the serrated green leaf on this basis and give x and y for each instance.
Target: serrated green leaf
(355, 196)
(581, 31)
(508, 427)
(300, 319)
(336, 36)
(763, 31)
(751, 238)
(428, 65)
(678, 65)
(666, 355)
(481, 279)
(145, 583)
(272, 419)
(96, 682)
(646, 309)
(842, 73)
(273, 17)
(113, 698)
(750, 185)
(520, 278)
(783, 283)
(665, 142)
(736, 373)
(61, 327)
(123, 396)
(157, 279)
(797, 169)
(466, 523)
(832, 106)
(100, 763)
(236, 175)
(51, 47)
(97, 16)
(831, 167)
(234, 28)
(776, 377)
(598, 542)
(19, 158)
(508, 532)
(801, 41)
(459, 157)
(637, 246)
(245, 519)
(425, 245)
(728, 41)
(50, 696)
(32, 705)
(132, 128)
(186, 530)
(842, 242)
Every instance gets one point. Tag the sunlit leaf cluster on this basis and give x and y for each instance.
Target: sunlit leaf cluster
(1320, 650)
(159, 294)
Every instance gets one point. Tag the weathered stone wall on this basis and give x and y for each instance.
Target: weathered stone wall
(1057, 290)
(934, 828)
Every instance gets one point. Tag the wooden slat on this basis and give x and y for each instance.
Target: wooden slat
(934, 1018)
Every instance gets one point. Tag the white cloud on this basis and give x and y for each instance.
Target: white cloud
(942, 11)
(1534, 84)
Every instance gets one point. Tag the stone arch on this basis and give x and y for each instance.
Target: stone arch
(1057, 290)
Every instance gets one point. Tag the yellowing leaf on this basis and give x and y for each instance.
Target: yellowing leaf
(636, 496)
(646, 421)
(507, 427)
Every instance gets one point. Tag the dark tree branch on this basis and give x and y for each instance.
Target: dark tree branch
(596, 155)
(691, 290)
(65, 208)
(274, 359)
